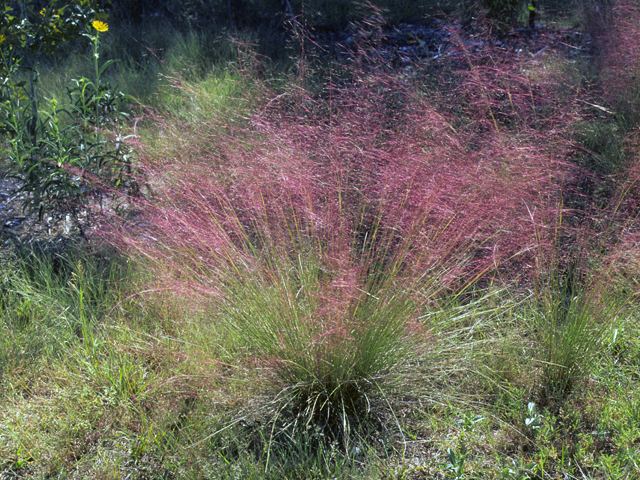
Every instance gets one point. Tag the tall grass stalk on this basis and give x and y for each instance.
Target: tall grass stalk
(574, 313)
(571, 330)
(56, 297)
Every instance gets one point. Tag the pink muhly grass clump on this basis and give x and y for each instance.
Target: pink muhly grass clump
(321, 237)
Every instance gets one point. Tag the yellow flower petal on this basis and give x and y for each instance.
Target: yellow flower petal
(100, 26)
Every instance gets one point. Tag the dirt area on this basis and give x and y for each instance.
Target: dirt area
(435, 42)
(20, 227)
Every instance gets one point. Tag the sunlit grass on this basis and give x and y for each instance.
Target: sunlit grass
(316, 291)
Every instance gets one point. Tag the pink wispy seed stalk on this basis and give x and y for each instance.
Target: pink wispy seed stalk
(620, 77)
(352, 187)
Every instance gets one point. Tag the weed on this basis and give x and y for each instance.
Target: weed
(534, 419)
(455, 467)
(58, 163)
(512, 470)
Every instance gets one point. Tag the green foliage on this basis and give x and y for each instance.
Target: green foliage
(516, 471)
(52, 296)
(504, 11)
(61, 162)
(571, 324)
(534, 419)
(455, 467)
(81, 280)
(31, 31)
(329, 359)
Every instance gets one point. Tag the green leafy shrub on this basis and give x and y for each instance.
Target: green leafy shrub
(60, 153)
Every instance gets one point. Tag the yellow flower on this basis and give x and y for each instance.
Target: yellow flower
(100, 26)
(43, 12)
